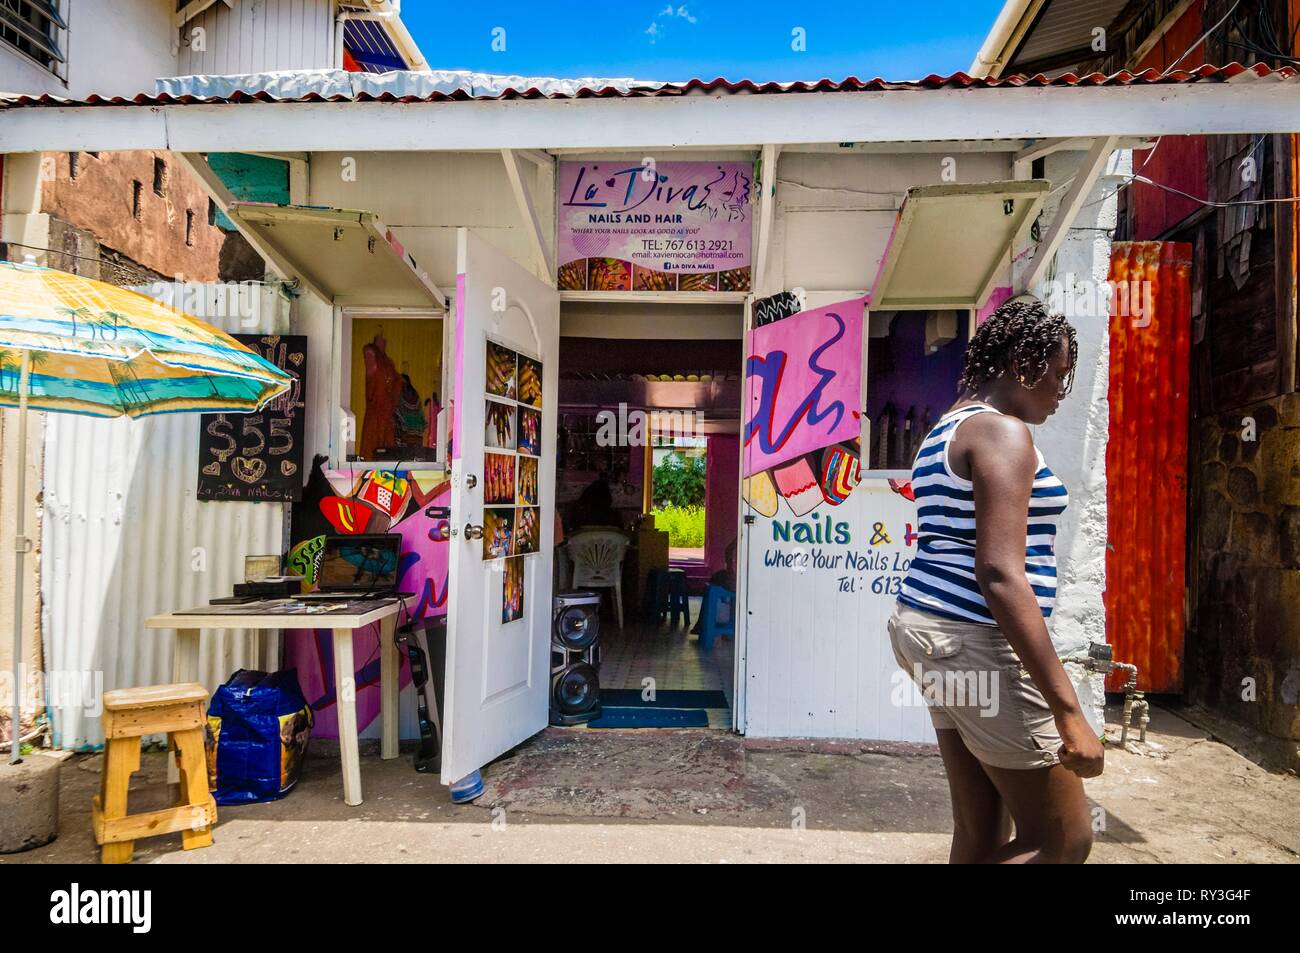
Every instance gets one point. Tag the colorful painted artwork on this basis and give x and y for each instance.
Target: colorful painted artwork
(502, 373)
(498, 532)
(498, 478)
(530, 432)
(527, 495)
(527, 530)
(530, 381)
(802, 428)
(422, 522)
(512, 590)
(666, 226)
(499, 425)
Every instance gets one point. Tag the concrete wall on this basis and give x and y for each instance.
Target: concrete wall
(100, 201)
(21, 217)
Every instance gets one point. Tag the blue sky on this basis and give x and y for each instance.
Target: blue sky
(648, 40)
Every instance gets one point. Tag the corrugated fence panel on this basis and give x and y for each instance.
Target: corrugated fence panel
(124, 537)
(1146, 460)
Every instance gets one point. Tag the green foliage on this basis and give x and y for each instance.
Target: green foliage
(679, 481)
(685, 525)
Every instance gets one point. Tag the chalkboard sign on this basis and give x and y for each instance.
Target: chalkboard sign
(774, 308)
(259, 456)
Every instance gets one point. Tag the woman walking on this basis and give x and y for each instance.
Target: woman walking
(973, 606)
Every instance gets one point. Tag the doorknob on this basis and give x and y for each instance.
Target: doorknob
(471, 480)
(473, 532)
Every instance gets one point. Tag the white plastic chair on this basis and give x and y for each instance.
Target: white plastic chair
(597, 557)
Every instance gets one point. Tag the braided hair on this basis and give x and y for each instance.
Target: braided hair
(1019, 337)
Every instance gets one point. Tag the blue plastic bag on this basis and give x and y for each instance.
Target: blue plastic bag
(257, 734)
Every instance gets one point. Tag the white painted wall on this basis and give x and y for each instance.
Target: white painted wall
(113, 47)
(258, 35)
(119, 47)
(833, 217)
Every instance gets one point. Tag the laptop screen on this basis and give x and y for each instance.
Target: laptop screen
(366, 563)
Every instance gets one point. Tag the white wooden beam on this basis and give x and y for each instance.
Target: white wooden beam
(1255, 105)
(766, 204)
(524, 200)
(1073, 200)
(537, 157)
(1045, 147)
(192, 9)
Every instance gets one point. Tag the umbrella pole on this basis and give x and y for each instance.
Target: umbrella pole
(21, 545)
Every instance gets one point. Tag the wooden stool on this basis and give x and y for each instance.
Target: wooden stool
(129, 714)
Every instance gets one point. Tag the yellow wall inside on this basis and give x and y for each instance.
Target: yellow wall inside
(415, 346)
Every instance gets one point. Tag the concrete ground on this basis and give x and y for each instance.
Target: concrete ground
(707, 796)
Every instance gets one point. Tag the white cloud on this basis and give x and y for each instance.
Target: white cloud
(654, 30)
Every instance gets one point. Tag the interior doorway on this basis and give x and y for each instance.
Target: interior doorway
(648, 449)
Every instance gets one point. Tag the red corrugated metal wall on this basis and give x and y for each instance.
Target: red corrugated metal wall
(1146, 461)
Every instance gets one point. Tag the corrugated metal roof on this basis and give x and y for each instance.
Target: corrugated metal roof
(314, 86)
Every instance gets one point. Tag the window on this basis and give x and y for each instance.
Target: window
(392, 386)
(136, 189)
(159, 176)
(212, 212)
(34, 28)
(189, 227)
(74, 164)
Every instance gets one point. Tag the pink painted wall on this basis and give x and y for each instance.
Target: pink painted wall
(721, 498)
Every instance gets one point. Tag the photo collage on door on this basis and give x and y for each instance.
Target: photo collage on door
(512, 442)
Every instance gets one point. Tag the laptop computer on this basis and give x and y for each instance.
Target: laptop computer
(360, 566)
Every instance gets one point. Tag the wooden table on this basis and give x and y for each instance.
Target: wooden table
(356, 614)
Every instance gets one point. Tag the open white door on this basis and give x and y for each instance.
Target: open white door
(498, 650)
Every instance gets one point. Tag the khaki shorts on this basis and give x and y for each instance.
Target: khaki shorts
(972, 681)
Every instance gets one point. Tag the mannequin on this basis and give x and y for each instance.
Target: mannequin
(383, 387)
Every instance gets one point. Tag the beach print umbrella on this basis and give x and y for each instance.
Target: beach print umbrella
(74, 345)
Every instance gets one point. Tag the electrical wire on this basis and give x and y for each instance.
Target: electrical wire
(1233, 9)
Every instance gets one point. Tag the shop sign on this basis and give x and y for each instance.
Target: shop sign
(647, 226)
(259, 457)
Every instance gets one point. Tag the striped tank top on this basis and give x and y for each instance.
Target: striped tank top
(941, 577)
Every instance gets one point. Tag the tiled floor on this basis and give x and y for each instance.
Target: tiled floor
(672, 657)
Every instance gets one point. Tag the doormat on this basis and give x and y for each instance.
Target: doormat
(617, 717)
(668, 698)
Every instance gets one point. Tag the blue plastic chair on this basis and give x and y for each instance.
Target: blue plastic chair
(710, 628)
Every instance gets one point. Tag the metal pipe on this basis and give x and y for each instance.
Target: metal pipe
(988, 61)
(21, 546)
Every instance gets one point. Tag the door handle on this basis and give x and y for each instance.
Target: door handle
(471, 480)
(473, 532)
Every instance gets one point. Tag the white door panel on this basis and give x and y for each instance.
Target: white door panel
(497, 671)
